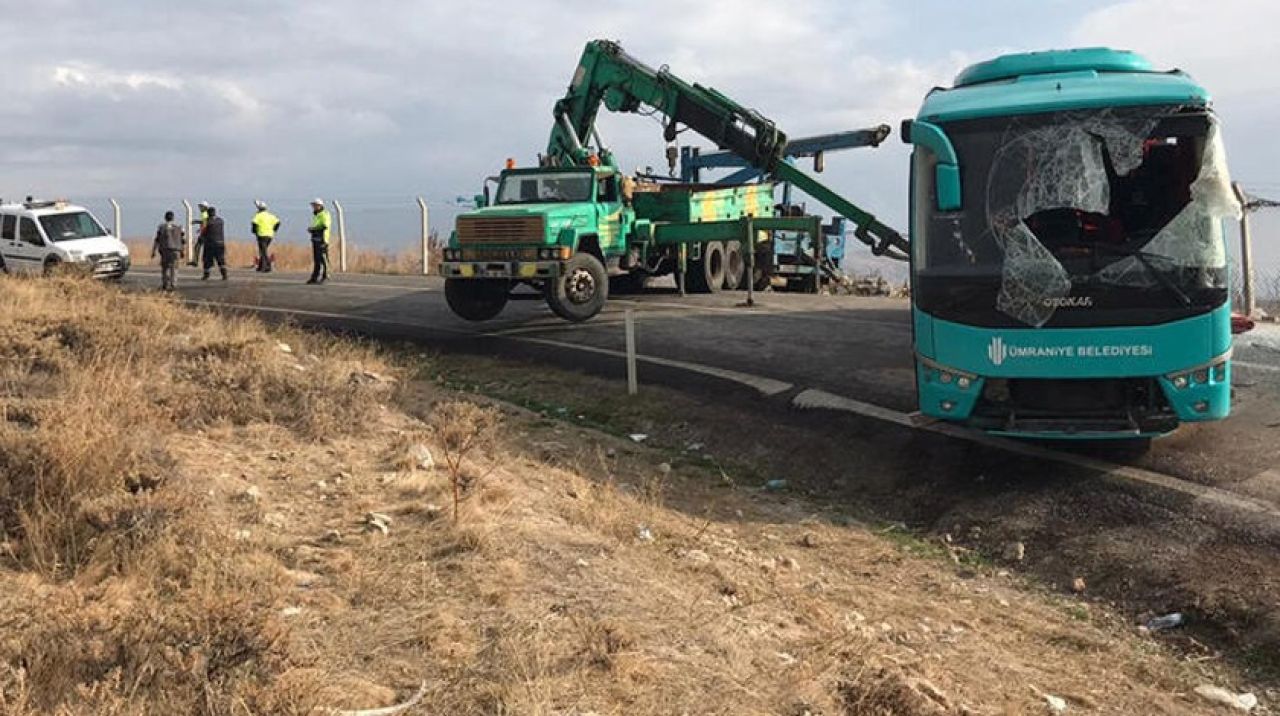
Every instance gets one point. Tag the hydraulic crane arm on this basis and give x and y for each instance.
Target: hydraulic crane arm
(608, 76)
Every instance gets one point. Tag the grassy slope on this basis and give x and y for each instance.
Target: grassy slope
(184, 506)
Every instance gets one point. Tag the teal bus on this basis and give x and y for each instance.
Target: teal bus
(1069, 268)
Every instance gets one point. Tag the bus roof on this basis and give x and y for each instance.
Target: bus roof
(1055, 80)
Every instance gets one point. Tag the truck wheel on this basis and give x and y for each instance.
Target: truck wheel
(580, 291)
(628, 283)
(735, 266)
(476, 299)
(760, 273)
(706, 275)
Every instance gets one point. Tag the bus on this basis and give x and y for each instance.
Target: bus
(1068, 259)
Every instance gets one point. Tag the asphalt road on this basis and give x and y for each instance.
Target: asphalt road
(820, 348)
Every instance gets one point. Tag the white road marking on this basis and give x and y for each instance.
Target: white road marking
(766, 386)
(760, 310)
(1256, 366)
(811, 399)
(818, 399)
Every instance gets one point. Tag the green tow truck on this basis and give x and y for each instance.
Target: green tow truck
(574, 226)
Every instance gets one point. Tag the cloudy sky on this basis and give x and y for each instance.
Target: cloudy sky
(376, 101)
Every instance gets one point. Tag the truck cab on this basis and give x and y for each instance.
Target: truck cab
(558, 229)
(42, 237)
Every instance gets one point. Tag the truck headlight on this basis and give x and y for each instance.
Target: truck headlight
(553, 253)
(452, 254)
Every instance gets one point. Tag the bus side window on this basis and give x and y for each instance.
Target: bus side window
(28, 233)
(6, 230)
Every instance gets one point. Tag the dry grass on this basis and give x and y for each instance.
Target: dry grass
(296, 256)
(188, 512)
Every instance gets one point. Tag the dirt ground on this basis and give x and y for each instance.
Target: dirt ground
(280, 537)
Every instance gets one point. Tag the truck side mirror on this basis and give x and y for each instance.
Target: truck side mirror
(947, 172)
(819, 162)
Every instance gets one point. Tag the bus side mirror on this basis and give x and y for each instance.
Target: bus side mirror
(947, 172)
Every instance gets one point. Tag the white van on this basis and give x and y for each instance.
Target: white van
(40, 237)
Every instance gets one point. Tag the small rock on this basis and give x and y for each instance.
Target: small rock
(775, 485)
(332, 537)
(638, 437)
(1057, 704)
(322, 485)
(610, 453)
(300, 367)
(1078, 585)
(284, 347)
(694, 447)
(422, 458)
(378, 521)
(1168, 621)
(786, 658)
(697, 555)
(664, 468)
(243, 535)
(582, 563)
(1241, 702)
(1015, 551)
(644, 534)
(251, 494)
(275, 519)
(303, 579)
(432, 510)
(809, 540)
(290, 611)
(790, 563)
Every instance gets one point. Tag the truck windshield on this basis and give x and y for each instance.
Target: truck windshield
(1098, 217)
(69, 227)
(545, 188)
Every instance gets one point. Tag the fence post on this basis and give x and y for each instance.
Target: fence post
(1246, 253)
(426, 237)
(630, 318)
(342, 236)
(115, 209)
(188, 236)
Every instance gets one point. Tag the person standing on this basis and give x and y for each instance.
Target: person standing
(265, 225)
(204, 216)
(214, 239)
(169, 243)
(320, 223)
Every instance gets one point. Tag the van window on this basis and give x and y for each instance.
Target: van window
(6, 229)
(28, 233)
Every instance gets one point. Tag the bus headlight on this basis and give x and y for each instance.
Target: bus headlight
(946, 375)
(1215, 371)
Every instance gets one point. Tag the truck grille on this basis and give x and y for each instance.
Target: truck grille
(499, 254)
(501, 230)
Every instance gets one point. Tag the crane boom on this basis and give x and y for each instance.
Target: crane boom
(607, 76)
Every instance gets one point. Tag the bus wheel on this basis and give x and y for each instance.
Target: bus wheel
(581, 289)
(706, 275)
(476, 299)
(735, 266)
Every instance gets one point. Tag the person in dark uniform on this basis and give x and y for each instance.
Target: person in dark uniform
(214, 240)
(169, 243)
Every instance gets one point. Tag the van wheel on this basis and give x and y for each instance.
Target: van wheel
(476, 299)
(581, 289)
(735, 266)
(706, 275)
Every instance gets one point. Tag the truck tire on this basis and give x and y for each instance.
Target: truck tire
(580, 291)
(628, 283)
(706, 275)
(476, 299)
(735, 266)
(761, 277)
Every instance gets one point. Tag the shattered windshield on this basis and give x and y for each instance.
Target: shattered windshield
(1119, 208)
(543, 188)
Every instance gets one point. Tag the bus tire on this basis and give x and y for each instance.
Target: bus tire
(735, 266)
(706, 275)
(581, 289)
(476, 299)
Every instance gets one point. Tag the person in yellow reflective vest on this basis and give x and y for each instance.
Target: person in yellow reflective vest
(319, 230)
(198, 230)
(264, 226)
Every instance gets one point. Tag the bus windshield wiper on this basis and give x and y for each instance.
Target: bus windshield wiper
(1144, 258)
